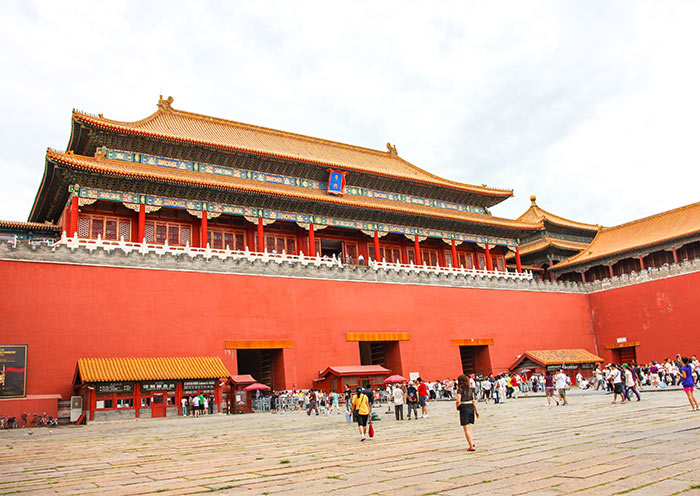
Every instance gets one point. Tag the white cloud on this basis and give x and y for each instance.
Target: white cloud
(591, 106)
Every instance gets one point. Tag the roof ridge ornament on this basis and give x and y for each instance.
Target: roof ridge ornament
(165, 104)
(392, 150)
(533, 200)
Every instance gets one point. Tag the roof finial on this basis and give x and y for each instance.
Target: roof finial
(392, 149)
(165, 104)
(533, 199)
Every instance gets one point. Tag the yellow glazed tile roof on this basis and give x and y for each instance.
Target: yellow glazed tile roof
(342, 370)
(131, 169)
(542, 243)
(557, 357)
(536, 214)
(31, 226)
(177, 125)
(666, 226)
(150, 369)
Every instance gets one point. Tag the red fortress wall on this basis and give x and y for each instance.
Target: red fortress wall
(65, 312)
(662, 315)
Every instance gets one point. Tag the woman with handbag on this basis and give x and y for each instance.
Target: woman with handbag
(466, 405)
(360, 404)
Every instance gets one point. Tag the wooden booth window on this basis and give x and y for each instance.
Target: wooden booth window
(220, 239)
(176, 234)
(112, 228)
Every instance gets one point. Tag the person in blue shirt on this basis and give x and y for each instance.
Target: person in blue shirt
(688, 383)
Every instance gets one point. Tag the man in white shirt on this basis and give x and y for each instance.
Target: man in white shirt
(598, 379)
(397, 396)
(618, 387)
(561, 382)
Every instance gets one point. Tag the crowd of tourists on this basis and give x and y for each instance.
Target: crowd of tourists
(411, 399)
(197, 404)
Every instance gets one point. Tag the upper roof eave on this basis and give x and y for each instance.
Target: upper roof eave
(141, 128)
(128, 169)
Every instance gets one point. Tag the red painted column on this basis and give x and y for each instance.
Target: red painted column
(93, 403)
(142, 224)
(641, 263)
(261, 236)
(312, 240)
(203, 229)
(416, 248)
(178, 398)
(455, 260)
(489, 262)
(517, 260)
(217, 394)
(477, 266)
(137, 399)
(66, 220)
(612, 273)
(73, 227)
(675, 253)
(583, 277)
(377, 253)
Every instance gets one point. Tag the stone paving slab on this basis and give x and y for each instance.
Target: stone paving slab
(523, 448)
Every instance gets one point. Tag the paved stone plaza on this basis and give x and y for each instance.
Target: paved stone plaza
(523, 447)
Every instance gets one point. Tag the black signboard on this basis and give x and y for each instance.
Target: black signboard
(149, 386)
(13, 370)
(205, 386)
(115, 387)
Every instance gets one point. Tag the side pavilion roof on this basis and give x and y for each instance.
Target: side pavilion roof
(659, 228)
(536, 214)
(171, 124)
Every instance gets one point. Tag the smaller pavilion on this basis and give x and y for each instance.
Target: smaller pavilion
(114, 388)
(559, 239)
(336, 377)
(571, 361)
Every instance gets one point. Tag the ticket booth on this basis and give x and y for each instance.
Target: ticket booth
(336, 377)
(114, 388)
(239, 400)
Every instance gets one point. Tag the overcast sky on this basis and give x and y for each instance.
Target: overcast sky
(592, 106)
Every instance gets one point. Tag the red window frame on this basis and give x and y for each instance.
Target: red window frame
(220, 239)
(277, 242)
(176, 233)
(107, 227)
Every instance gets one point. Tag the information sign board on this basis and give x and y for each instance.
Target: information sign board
(13, 370)
(204, 385)
(115, 387)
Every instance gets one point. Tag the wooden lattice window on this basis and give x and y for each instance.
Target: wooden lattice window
(278, 243)
(112, 228)
(220, 239)
(175, 233)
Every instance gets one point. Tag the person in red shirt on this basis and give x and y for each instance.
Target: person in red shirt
(514, 383)
(423, 398)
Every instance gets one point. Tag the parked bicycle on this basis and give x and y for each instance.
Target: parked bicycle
(43, 420)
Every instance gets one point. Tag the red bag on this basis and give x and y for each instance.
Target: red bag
(371, 430)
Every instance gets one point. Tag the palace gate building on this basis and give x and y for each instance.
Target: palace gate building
(182, 235)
